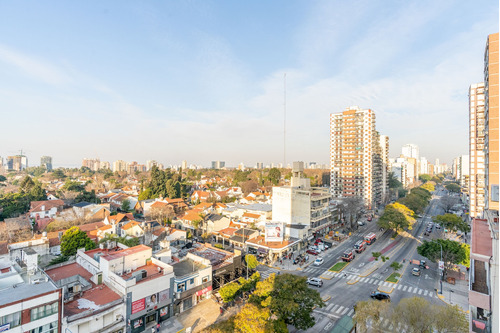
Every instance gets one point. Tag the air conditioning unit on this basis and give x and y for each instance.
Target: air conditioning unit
(77, 288)
(129, 270)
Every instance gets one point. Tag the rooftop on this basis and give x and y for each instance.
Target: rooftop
(187, 267)
(481, 243)
(152, 272)
(217, 257)
(260, 241)
(66, 271)
(257, 207)
(118, 252)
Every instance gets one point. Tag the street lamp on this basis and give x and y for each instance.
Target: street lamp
(442, 271)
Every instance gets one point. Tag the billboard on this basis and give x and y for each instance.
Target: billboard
(151, 301)
(138, 305)
(274, 232)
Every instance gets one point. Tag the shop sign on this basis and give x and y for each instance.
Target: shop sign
(138, 305)
(203, 291)
(138, 323)
(163, 295)
(164, 311)
(5, 327)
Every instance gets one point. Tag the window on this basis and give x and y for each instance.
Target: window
(44, 311)
(14, 319)
(48, 328)
(191, 281)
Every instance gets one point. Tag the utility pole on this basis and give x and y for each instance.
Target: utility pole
(284, 120)
(442, 271)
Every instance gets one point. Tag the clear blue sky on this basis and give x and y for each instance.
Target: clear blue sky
(203, 80)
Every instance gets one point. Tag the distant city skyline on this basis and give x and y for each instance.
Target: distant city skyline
(203, 81)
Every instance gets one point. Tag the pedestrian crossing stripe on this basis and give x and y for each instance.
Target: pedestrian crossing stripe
(339, 309)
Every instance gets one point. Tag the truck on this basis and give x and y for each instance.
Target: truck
(348, 256)
(370, 238)
(360, 246)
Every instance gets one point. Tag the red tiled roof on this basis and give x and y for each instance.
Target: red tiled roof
(36, 206)
(228, 231)
(261, 241)
(91, 226)
(67, 271)
(481, 238)
(130, 224)
(99, 295)
(191, 216)
(250, 215)
(125, 252)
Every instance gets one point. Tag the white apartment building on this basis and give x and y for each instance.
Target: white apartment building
(119, 165)
(301, 204)
(354, 144)
(410, 150)
(476, 149)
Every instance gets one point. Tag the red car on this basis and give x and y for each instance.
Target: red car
(312, 252)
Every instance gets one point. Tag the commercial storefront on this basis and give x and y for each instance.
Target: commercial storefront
(149, 311)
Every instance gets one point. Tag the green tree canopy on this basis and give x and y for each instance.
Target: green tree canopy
(453, 252)
(397, 217)
(274, 175)
(73, 239)
(229, 291)
(393, 181)
(58, 174)
(292, 301)
(88, 197)
(145, 195)
(452, 222)
(429, 186)
(452, 187)
(424, 178)
(126, 206)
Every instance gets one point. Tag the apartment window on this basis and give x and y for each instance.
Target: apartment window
(191, 281)
(205, 279)
(48, 328)
(14, 319)
(44, 311)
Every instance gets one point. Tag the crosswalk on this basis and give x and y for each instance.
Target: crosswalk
(265, 274)
(377, 282)
(337, 310)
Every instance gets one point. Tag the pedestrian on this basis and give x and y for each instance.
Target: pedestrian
(158, 327)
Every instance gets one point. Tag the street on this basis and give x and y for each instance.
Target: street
(363, 275)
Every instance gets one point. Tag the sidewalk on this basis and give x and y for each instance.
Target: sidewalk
(198, 318)
(458, 293)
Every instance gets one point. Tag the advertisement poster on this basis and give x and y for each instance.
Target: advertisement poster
(152, 301)
(138, 323)
(163, 295)
(164, 311)
(138, 305)
(274, 232)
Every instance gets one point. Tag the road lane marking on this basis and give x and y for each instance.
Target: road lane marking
(371, 281)
(380, 283)
(339, 309)
(346, 309)
(350, 312)
(386, 284)
(415, 290)
(357, 278)
(334, 308)
(426, 292)
(329, 307)
(420, 292)
(399, 287)
(409, 289)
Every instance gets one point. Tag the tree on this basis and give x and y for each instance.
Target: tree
(146, 194)
(162, 213)
(424, 178)
(37, 193)
(393, 181)
(87, 197)
(429, 186)
(447, 202)
(125, 205)
(453, 252)
(415, 312)
(352, 206)
(229, 291)
(274, 175)
(414, 202)
(450, 318)
(292, 301)
(2, 180)
(396, 217)
(452, 222)
(58, 174)
(251, 262)
(370, 313)
(26, 184)
(73, 239)
(248, 186)
(377, 255)
(396, 266)
(253, 318)
(452, 187)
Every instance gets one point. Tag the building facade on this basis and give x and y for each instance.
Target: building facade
(476, 149)
(46, 162)
(17, 163)
(354, 144)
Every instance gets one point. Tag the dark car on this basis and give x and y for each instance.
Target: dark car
(312, 252)
(380, 296)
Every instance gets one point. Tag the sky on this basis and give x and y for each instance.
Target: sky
(205, 80)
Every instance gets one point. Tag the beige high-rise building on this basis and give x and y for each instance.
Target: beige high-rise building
(384, 150)
(491, 115)
(119, 166)
(476, 149)
(355, 156)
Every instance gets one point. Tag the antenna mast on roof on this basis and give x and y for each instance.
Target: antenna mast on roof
(284, 120)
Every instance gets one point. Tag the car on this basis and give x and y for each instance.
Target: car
(361, 223)
(415, 271)
(315, 282)
(438, 226)
(319, 261)
(380, 296)
(312, 252)
(422, 264)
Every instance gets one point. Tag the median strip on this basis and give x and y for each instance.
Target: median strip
(338, 267)
(393, 278)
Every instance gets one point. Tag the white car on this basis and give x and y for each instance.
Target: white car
(319, 261)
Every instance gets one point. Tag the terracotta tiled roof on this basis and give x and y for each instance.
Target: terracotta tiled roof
(250, 215)
(228, 231)
(158, 232)
(159, 204)
(249, 198)
(36, 206)
(130, 224)
(203, 205)
(191, 216)
(119, 217)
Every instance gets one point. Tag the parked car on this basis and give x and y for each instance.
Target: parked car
(312, 252)
(438, 226)
(319, 261)
(315, 282)
(380, 296)
(422, 264)
(415, 271)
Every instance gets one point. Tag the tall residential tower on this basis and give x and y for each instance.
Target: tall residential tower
(355, 156)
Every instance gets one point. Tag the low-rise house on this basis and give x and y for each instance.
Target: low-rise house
(201, 196)
(147, 282)
(29, 300)
(89, 304)
(45, 208)
(193, 282)
(242, 235)
(132, 229)
(215, 222)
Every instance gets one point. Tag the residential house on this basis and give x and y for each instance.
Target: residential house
(132, 229)
(201, 196)
(45, 208)
(215, 222)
